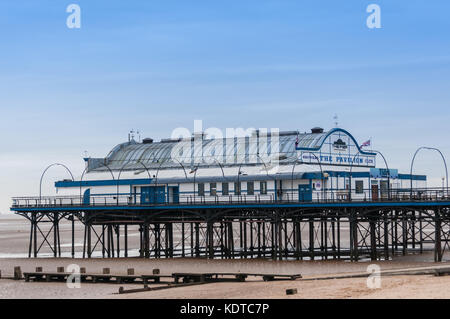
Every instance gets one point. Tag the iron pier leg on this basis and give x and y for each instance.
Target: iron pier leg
(286, 241)
(73, 236)
(339, 238)
(89, 243)
(280, 239)
(141, 241)
(231, 239)
(311, 238)
(126, 240)
(84, 240)
(197, 239)
(251, 239)
(210, 238)
(192, 239)
(118, 240)
(59, 240)
(31, 236)
(297, 238)
(333, 235)
(35, 236)
(386, 236)
(55, 235)
(438, 234)
(325, 237)
(259, 238)
(353, 237)
(157, 241)
(421, 231)
(373, 239)
(146, 241)
(244, 225)
(241, 239)
(166, 240)
(183, 245)
(404, 234)
(170, 233)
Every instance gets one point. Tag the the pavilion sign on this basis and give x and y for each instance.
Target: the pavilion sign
(337, 159)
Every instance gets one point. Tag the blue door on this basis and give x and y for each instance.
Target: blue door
(153, 195)
(174, 194)
(304, 193)
(87, 197)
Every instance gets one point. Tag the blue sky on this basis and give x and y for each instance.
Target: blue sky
(158, 65)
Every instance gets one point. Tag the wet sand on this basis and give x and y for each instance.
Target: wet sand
(398, 287)
(14, 244)
(392, 286)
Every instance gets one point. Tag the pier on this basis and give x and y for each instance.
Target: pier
(401, 223)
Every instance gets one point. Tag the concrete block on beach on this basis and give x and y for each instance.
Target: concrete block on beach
(291, 291)
(60, 269)
(156, 271)
(106, 271)
(130, 271)
(17, 273)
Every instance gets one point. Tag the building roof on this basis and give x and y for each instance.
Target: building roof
(169, 153)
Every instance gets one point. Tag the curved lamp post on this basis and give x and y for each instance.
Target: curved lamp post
(45, 171)
(120, 173)
(157, 172)
(292, 175)
(414, 157)
(387, 168)
(156, 179)
(221, 168)
(265, 166)
(320, 166)
(182, 166)
(238, 181)
(82, 176)
(264, 163)
(194, 170)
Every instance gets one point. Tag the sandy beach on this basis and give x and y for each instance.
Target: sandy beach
(13, 252)
(425, 286)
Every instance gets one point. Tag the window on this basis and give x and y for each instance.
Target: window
(384, 188)
(201, 189)
(250, 188)
(225, 189)
(359, 187)
(237, 188)
(263, 188)
(213, 189)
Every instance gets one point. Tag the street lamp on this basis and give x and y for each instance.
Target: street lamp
(45, 171)
(387, 168)
(194, 171)
(412, 164)
(82, 176)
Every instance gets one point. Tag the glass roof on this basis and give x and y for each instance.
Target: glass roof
(226, 151)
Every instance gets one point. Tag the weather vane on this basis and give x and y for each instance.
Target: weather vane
(335, 118)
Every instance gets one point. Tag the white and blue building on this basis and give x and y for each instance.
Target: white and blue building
(282, 166)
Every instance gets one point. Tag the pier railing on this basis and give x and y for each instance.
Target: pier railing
(318, 196)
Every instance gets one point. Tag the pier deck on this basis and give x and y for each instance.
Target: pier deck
(243, 227)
